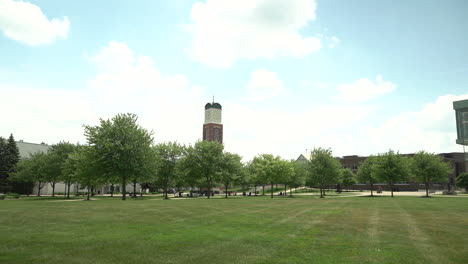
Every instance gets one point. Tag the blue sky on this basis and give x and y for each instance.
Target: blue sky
(357, 76)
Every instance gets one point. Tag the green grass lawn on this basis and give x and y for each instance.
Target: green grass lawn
(236, 230)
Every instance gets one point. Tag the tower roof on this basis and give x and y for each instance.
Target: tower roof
(213, 105)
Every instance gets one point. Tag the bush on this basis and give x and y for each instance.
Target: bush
(2, 196)
(449, 193)
(14, 195)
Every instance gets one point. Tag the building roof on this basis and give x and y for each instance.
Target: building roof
(460, 104)
(26, 149)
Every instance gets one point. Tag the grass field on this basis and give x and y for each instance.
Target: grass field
(236, 230)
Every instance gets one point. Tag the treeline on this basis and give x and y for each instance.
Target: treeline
(120, 152)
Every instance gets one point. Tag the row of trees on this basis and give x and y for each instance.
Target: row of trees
(120, 152)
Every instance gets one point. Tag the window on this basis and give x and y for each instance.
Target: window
(216, 134)
(207, 133)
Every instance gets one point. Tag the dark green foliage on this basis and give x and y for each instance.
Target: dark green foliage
(9, 157)
(429, 168)
(462, 181)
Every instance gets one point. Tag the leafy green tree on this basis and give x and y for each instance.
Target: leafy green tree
(87, 170)
(231, 170)
(167, 156)
(429, 167)
(270, 169)
(55, 161)
(298, 176)
(366, 172)
(33, 169)
(348, 177)
(323, 169)
(462, 180)
(203, 163)
(392, 167)
(122, 148)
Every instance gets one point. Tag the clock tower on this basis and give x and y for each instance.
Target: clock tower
(212, 127)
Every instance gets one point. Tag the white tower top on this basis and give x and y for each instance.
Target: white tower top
(213, 113)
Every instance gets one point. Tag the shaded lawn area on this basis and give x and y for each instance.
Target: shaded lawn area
(235, 230)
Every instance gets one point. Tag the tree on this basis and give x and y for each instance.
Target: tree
(204, 162)
(323, 168)
(428, 168)
(462, 180)
(55, 161)
(87, 170)
(392, 167)
(122, 148)
(299, 175)
(231, 170)
(348, 177)
(366, 172)
(33, 170)
(270, 169)
(9, 157)
(167, 156)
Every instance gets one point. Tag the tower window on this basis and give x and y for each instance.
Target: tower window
(207, 133)
(216, 134)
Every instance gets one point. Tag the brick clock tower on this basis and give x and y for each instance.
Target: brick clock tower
(213, 128)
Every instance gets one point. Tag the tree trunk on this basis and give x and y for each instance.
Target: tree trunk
(39, 189)
(124, 189)
(134, 189)
(225, 191)
(427, 189)
(89, 192)
(65, 193)
(371, 188)
(68, 193)
(391, 187)
(112, 190)
(285, 190)
(53, 189)
(321, 191)
(271, 191)
(263, 189)
(255, 189)
(209, 189)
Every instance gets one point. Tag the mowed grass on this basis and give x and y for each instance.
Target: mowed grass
(235, 230)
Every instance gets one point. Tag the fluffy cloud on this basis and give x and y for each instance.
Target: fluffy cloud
(224, 31)
(25, 22)
(347, 130)
(263, 85)
(365, 89)
(124, 82)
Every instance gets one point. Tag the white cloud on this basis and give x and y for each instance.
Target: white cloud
(224, 31)
(264, 84)
(25, 22)
(124, 83)
(431, 128)
(334, 41)
(365, 89)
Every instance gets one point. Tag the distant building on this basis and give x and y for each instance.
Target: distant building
(213, 127)
(455, 159)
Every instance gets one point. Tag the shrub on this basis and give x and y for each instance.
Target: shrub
(449, 193)
(2, 196)
(14, 195)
